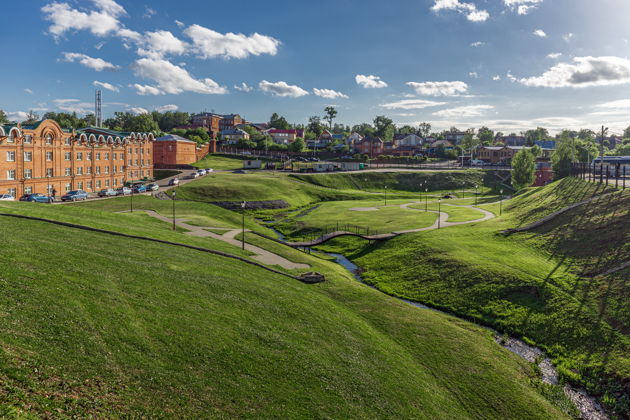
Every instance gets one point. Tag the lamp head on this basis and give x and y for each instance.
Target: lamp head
(243, 204)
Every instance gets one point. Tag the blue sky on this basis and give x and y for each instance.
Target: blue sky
(507, 64)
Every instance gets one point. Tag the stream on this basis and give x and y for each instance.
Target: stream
(588, 406)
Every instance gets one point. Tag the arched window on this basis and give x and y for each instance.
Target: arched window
(49, 139)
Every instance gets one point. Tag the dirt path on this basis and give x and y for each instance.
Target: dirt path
(262, 255)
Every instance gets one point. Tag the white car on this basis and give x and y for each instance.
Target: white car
(173, 181)
(201, 172)
(209, 170)
(194, 175)
(6, 197)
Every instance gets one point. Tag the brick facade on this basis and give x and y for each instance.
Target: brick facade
(43, 157)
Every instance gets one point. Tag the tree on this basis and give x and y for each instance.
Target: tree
(364, 129)
(315, 126)
(424, 129)
(485, 135)
(3, 117)
(298, 145)
(564, 156)
(523, 169)
(278, 122)
(626, 133)
(586, 150)
(539, 134)
(469, 142)
(31, 118)
(331, 114)
(536, 150)
(385, 128)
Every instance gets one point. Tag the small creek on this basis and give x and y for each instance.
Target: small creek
(589, 407)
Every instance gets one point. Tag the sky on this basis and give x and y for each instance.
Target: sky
(510, 65)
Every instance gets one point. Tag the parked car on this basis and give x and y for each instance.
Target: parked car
(75, 195)
(140, 188)
(153, 187)
(194, 175)
(174, 181)
(209, 170)
(107, 192)
(123, 191)
(477, 162)
(201, 172)
(36, 198)
(6, 197)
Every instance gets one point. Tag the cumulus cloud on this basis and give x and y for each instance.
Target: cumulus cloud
(540, 33)
(370, 82)
(106, 85)
(329, 94)
(146, 89)
(100, 22)
(17, 116)
(74, 105)
(172, 79)
(477, 44)
(583, 72)
(568, 37)
(496, 78)
(97, 64)
(474, 74)
(522, 7)
(412, 104)
(29, 91)
(439, 88)
(166, 108)
(464, 111)
(469, 9)
(136, 110)
(282, 89)
(159, 43)
(243, 87)
(210, 44)
(554, 55)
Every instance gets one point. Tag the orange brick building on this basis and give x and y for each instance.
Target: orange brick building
(171, 150)
(41, 157)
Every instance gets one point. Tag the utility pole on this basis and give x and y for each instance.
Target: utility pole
(243, 204)
(601, 147)
(174, 193)
(439, 211)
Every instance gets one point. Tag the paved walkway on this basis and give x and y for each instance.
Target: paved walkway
(262, 255)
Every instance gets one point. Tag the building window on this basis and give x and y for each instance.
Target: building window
(149, 162)
(49, 156)
(80, 185)
(115, 182)
(79, 155)
(28, 139)
(68, 171)
(89, 185)
(49, 189)
(67, 141)
(11, 139)
(68, 187)
(98, 170)
(107, 182)
(107, 156)
(79, 171)
(28, 173)
(130, 162)
(114, 169)
(68, 155)
(10, 156)
(107, 169)
(28, 190)
(11, 175)
(28, 156)
(137, 162)
(12, 192)
(98, 184)
(98, 155)
(49, 139)
(115, 156)
(49, 171)
(88, 170)
(89, 155)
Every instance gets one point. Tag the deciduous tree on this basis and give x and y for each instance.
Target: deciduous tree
(523, 169)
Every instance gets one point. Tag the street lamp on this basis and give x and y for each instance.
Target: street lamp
(174, 193)
(243, 204)
(463, 191)
(476, 194)
(501, 205)
(426, 199)
(439, 211)
(385, 195)
(131, 198)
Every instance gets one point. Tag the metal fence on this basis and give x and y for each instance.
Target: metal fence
(612, 173)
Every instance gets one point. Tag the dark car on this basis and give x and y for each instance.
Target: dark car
(139, 188)
(107, 192)
(75, 195)
(37, 198)
(153, 187)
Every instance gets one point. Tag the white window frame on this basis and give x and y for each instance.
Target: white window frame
(10, 156)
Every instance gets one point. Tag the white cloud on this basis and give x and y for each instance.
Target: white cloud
(522, 7)
(149, 13)
(554, 55)
(179, 23)
(474, 74)
(29, 91)
(496, 78)
(439, 88)
(138, 110)
(166, 108)
(477, 44)
(18, 116)
(106, 85)
(159, 43)
(282, 89)
(540, 33)
(74, 105)
(172, 79)
(146, 89)
(568, 37)
(329, 94)
(243, 87)
(412, 104)
(129, 35)
(97, 64)
(583, 72)
(100, 22)
(370, 82)
(210, 44)
(464, 111)
(469, 9)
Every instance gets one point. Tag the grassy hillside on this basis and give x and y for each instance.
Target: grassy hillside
(404, 181)
(96, 325)
(528, 284)
(220, 162)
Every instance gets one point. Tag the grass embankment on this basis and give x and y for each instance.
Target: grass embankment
(103, 326)
(527, 284)
(164, 173)
(406, 181)
(223, 162)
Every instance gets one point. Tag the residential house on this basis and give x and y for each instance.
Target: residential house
(455, 137)
(511, 140)
(353, 139)
(408, 140)
(285, 136)
(372, 146)
(232, 136)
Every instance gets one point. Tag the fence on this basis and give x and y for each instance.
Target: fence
(612, 173)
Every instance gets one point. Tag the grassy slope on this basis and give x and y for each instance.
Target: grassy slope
(516, 285)
(107, 326)
(220, 162)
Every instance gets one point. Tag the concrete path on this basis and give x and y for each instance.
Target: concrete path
(442, 221)
(262, 255)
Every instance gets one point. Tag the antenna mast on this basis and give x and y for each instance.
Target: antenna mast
(98, 109)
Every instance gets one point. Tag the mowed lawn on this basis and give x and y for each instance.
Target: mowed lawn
(94, 325)
(221, 162)
(455, 212)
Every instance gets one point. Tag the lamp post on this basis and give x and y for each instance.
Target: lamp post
(243, 204)
(463, 191)
(174, 193)
(385, 195)
(439, 211)
(476, 194)
(501, 205)
(426, 199)
(131, 198)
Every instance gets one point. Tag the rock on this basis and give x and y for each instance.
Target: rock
(312, 278)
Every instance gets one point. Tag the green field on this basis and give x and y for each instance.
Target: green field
(221, 162)
(455, 213)
(95, 325)
(529, 284)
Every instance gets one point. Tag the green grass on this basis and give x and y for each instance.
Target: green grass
(163, 173)
(101, 326)
(528, 284)
(221, 162)
(455, 214)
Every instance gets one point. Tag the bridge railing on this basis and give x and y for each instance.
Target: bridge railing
(339, 227)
